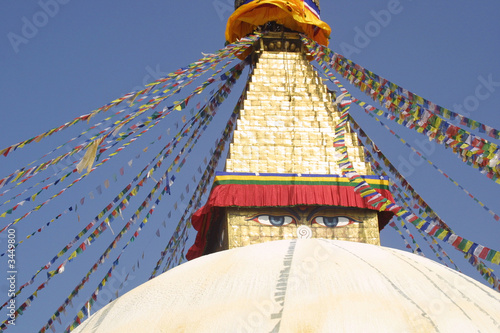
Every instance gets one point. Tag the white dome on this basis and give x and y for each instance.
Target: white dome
(327, 286)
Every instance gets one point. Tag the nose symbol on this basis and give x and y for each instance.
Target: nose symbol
(304, 232)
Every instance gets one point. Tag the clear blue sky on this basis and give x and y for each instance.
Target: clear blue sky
(85, 54)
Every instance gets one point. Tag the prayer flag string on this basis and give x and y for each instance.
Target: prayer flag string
(108, 250)
(119, 124)
(208, 112)
(233, 49)
(368, 107)
(474, 150)
(207, 175)
(177, 240)
(377, 201)
(230, 77)
(29, 172)
(380, 85)
(424, 210)
(399, 197)
(430, 215)
(395, 227)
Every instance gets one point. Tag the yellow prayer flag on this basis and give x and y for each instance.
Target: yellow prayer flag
(442, 235)
(88, 159)
(72, 256)
(420, 224)
(467, 246)
(91, 115)
(401, 212)
(19, 175)
(384, 206)
(496, 258)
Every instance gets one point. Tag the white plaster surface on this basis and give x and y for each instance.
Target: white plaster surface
(327, 286)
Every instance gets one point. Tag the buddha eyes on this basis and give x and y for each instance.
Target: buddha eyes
(326, 221)
(334, 222)
(275, 221)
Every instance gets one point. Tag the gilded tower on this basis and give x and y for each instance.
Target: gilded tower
(282, 180)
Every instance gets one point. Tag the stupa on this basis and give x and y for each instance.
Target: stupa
(282, 177)
(284, 242)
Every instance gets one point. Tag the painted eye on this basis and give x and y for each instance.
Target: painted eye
(276, 221)
(334, 222)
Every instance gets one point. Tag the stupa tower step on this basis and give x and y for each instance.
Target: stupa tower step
(288, 120)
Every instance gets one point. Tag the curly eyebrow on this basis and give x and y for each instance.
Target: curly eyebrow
(293, 212)
(289, 211)
(314, 211)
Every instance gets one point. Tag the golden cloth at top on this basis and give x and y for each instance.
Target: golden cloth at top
(293, 14)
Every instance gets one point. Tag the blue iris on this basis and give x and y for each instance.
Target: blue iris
(331, 222)
(277, 221)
